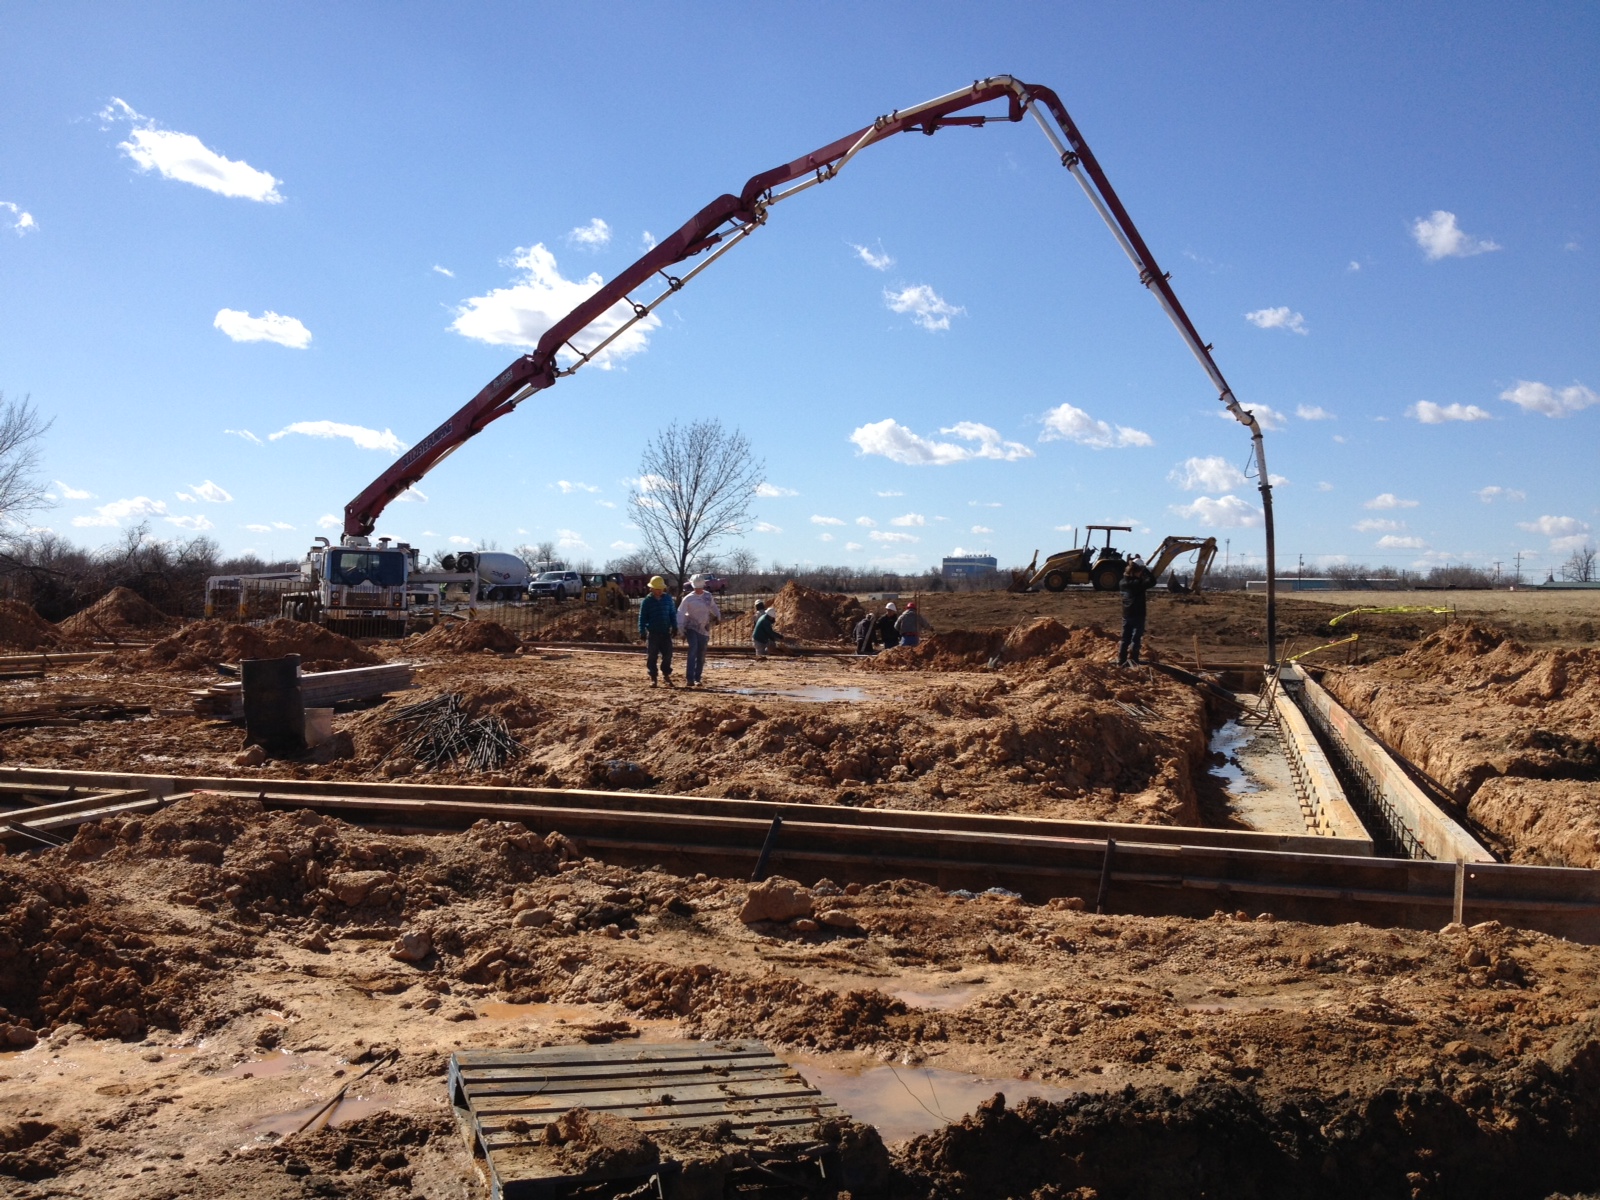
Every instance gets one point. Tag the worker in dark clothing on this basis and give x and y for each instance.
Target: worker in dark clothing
(1136, 581)
(658, 625)
(866, 631)
(887, 633)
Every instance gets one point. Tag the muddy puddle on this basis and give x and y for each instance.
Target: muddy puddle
(351, 1108)
(809, 694)
(1258, 788)
(904, 1101)
(941, 999)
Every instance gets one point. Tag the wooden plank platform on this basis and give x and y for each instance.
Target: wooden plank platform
(505, 1099)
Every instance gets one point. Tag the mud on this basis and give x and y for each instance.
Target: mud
(1510, 733)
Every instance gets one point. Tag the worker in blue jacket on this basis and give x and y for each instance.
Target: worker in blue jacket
(658, 625)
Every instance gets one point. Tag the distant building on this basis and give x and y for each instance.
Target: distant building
(969, 566)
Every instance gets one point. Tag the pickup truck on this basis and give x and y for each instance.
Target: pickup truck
(557, 585)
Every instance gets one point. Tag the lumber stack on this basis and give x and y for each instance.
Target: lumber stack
(322, 689)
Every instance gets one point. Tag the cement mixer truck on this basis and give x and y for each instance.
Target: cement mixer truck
(500, 576)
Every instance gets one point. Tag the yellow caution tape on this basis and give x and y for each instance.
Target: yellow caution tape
(1354, 637)
(1394, 608)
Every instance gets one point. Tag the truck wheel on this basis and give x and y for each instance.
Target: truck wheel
(1055, 581)
(1106, 576)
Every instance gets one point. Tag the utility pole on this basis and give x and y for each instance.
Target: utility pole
(1519, 566)
(1301, 571)
(1227, 553)
(1497, 570)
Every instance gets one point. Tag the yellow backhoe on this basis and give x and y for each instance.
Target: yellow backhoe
(1103, 566)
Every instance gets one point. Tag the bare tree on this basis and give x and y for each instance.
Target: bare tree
(21, 430)
(743, 563)
(1580, 568)
(695, 487)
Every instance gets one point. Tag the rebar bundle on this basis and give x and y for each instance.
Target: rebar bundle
(440, 733)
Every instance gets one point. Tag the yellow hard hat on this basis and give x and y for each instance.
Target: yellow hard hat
(657, 584)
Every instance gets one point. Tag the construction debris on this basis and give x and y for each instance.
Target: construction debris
(439, 732)
(71, 710)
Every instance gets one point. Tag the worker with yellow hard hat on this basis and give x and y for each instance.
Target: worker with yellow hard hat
(658, 625)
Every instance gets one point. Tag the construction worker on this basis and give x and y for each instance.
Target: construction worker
(765, 632)
(658, 622)
(1136, 581)
(911, 625)
(866, 633)
(696, 615)
(887, 633)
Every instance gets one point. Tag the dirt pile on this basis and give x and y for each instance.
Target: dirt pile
(463, 637)
(806, 615)
(201, 644)
(1514, 1133)
(1044, 642)
(1513, 734)
(588, 625)
(23, 629)
(120, 615)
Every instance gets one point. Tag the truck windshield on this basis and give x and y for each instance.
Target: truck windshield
(352, 567)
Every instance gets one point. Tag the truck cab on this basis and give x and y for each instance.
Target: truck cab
(354, 588)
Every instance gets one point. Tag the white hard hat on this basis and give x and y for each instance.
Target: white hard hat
(889, 606)
(697, 580)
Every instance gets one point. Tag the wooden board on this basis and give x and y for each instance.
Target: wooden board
(505, 1099)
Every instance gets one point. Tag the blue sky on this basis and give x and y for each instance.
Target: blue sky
(248, 253)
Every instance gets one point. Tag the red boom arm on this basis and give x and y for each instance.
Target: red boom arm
(746, 212)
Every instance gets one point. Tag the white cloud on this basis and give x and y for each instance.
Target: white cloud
(1353, 266)
(1324, 486)
(113, 514)
(647, 240)
(457, 540)
(259, 528)
(21, 222)
(771, 491)
(820, 520)
(596, 235)
(879, 535)
(1392, 541)
(412, 494)
(72, 493)
(1340, 438)
(268, 327)
(1440, 237)
(1542, 398)
(866, 522)
(854, 546)
(767, 527)
(898, 444)
(568, 487)
(824, 537)
(1388, 500)
(984, 504)
(1074, 425)
(520, 314)
(1565, 545)
(1277, 318)
(197, 523)
(1225, 512)
(185, 158)
(908, 520)
(1494, 492)
(282, 525)
(246, 435)
(981, 529)
(209, 492)
(927, 308)
(1428, 413)
(1553, 527)
(1313, 412)
(366, 439)
(445, 271)
(570, 539)
(625, 547)
(878, 261)
(606, 503)
(1212, 474)
(330, 521)
(889, 495)
(1378, 525)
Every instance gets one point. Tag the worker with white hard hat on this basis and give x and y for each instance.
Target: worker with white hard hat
(696, 615)
(887, 633)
